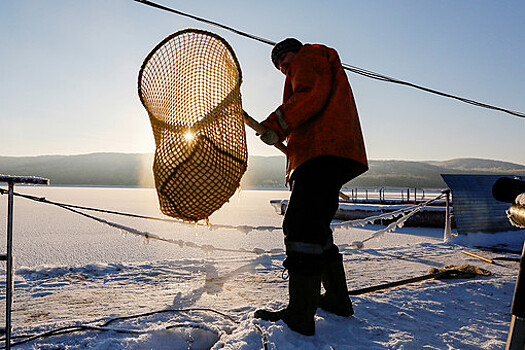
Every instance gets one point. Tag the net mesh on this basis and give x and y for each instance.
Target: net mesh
(190, 86)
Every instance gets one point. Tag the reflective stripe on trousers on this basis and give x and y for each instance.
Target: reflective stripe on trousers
(308, 248)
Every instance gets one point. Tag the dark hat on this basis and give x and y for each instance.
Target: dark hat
(287, 45)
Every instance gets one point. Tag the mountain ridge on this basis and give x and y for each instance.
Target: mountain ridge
(134, 169)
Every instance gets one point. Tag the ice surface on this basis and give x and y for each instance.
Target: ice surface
(71, 270)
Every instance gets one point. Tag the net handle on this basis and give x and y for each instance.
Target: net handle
(261, 129)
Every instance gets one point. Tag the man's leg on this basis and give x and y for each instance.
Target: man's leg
(317, 187)
(335, 299)
(313, 203)
(303, 292)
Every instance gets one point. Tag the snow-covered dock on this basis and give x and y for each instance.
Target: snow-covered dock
(429, 216)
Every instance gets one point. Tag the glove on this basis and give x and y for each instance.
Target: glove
(270, 137)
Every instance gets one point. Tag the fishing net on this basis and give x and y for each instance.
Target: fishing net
(463, 271)
(190, 86)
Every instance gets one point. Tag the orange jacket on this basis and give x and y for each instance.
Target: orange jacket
(318, 115)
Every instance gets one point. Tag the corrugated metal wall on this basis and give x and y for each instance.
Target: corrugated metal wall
(475, 209)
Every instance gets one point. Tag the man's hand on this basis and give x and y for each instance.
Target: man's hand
(270, 137)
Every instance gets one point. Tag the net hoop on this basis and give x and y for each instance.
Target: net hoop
(190, 86)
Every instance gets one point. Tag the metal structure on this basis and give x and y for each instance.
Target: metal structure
(447, 234)
(8, 257)
(513, 191)
(516, 338)
(475, 209)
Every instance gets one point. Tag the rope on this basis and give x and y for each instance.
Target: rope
(65, 330)
(371, 219)
(103, 327)
(384, 286)
(148, 235)
(207, 21)
(243, 228)
(381, 77)
(357, 70)
(448, 272)
(264, 338)
(405, 213)
(207, 248)
(121, 318)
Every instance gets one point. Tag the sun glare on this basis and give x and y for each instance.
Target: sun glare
(189, 136)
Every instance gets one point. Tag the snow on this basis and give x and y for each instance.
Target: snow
(74, 271)
(520, 199)
(479, 239)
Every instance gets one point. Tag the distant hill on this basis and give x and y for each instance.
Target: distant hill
(474, 164)
(426, 174)
(125, 169)
(113, 169)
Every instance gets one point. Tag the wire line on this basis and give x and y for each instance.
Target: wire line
(353, 69)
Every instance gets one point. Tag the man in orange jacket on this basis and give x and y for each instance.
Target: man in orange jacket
(319, 122)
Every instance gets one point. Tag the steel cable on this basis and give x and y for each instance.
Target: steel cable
(353, 69)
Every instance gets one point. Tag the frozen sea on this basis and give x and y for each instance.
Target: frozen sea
(74, 271)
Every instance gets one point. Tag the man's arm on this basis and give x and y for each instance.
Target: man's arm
(311, 79)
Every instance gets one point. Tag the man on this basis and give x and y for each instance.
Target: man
(325, 149)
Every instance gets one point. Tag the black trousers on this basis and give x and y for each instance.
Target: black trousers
(314, 200)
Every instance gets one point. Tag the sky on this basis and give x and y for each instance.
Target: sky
(68, 71)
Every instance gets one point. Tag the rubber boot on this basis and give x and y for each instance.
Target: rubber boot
(336, 300)
(299, 315)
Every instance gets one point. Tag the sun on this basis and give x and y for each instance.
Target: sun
(189, 136)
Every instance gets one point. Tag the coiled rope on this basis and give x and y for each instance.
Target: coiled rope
(404, 214)
(103, 327)
(357, 70)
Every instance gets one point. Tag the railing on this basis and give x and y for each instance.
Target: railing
(8, 257)
(383, 195)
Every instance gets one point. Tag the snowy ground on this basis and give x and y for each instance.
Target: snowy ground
(219, 293)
